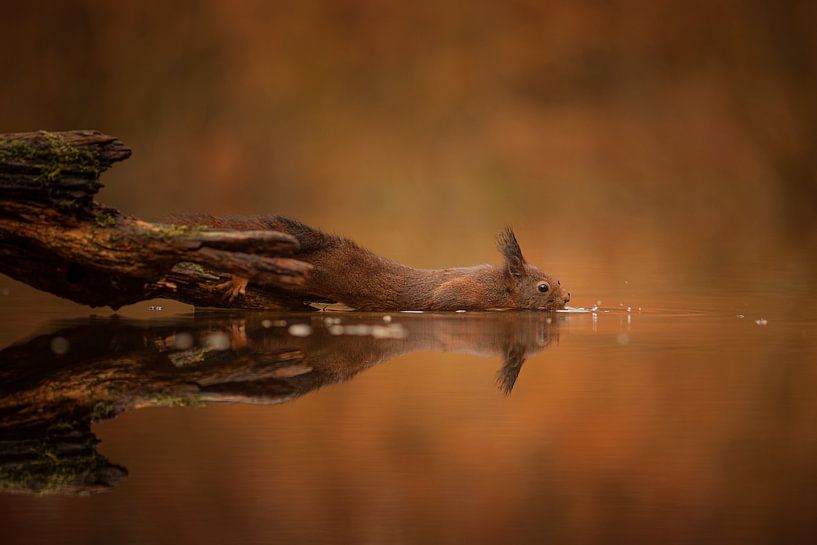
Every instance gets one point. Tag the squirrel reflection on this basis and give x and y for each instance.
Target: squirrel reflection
(53, 386)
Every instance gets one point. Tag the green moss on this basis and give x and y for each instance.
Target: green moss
(104, 219)
(102, 409)
(49, 159)
(195, 267)
(16, 151)
(48, 473)
(66, 204)
(177, 400)
(185, 358)
(52, 159)
(172, 231)
(65, 157)
(42, 469)
(195, 270)
(61, 426)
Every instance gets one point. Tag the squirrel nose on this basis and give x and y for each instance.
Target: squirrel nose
(567, 297)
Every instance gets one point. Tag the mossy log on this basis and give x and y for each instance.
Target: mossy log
(55, 237)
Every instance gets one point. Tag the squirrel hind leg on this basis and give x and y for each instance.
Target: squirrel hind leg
(233, 288)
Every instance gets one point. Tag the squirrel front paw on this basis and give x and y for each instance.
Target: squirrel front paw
(233, 288)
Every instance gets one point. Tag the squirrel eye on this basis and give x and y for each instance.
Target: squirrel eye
(543, 287)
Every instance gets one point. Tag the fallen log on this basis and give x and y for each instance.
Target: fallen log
(55, 237)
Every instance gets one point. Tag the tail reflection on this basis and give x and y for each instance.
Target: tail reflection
(53, 386)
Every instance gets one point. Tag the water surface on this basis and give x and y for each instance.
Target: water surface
(681, 419)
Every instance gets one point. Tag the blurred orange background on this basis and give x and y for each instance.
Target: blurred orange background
(626, 128)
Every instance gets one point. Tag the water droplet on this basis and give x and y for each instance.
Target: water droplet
(300, 330)
(182, 341)
(217, 340)
(394, 331)
(387, 318)
(762, 321)
(266, 323)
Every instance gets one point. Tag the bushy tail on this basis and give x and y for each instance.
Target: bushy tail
(310, 239)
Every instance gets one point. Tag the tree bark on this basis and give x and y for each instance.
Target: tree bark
(55, 237)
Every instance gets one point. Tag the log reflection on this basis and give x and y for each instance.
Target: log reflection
(52, 387)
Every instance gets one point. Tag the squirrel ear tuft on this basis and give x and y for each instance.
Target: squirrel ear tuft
(508, 246)
(511, 365)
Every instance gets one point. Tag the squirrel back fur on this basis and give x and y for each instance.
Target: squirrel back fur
(347, 273)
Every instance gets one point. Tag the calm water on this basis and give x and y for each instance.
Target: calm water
(688, 418)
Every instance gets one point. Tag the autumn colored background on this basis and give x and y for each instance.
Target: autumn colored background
(649, 153)
(597, 129)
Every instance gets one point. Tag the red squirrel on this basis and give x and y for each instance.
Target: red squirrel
(346, 273)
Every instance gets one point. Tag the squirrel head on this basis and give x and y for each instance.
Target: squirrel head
(528, 287)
